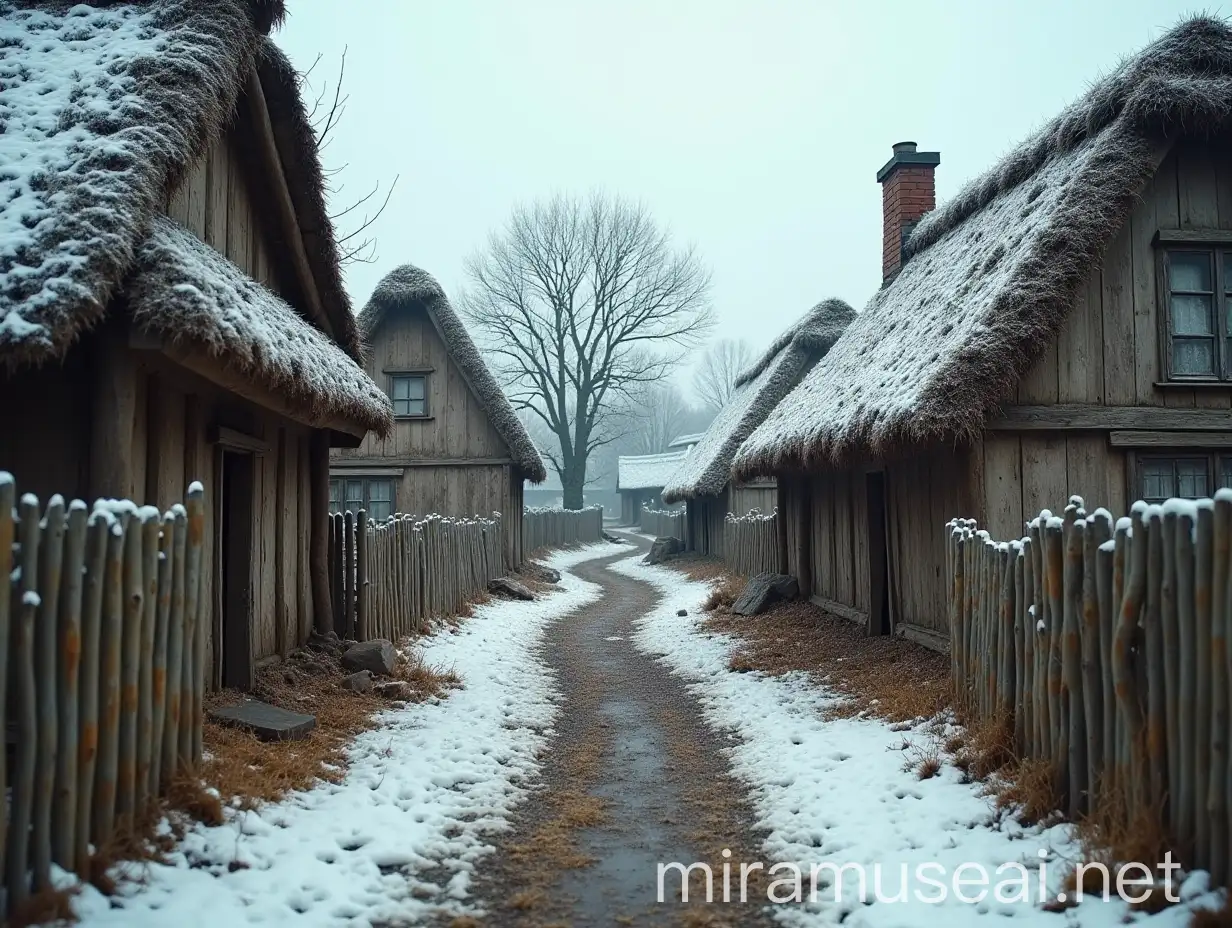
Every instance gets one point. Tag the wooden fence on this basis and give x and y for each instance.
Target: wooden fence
(1105, 645)
(548, 528)
(663, 523)
(388, 578)
(751, 543)
(101, 673)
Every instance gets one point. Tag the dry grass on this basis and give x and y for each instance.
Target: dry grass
(724, 594)
(702, 567)
(890, 678)
(241, 766)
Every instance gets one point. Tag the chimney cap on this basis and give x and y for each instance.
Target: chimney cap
(905, 155)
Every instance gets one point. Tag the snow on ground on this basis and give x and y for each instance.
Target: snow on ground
(837, 792)
(421, 795)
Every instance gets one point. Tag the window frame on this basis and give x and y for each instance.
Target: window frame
(1216, 247)
(338, 494)
(424, 374)
(1215, 461)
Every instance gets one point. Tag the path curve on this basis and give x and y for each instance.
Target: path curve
(633, 778)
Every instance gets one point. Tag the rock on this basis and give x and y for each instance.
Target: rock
(324, 644)
(682, 612)
(507, 586)
(391, 689)
(269, 723)
(359, 682)
(763, 591)
(377, 656)
(541, 573)
(614, 539)
(663, 549)
(348, 643)
(332, 635)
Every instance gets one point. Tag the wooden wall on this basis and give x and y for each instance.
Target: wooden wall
(796, 494)
(1108, 354)
(704, 520)
(762, 495)
(839, 545)
(453, 490)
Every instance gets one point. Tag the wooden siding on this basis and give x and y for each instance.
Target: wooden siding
(839, 545)
(762, 496)
(457, 426)
(704, 521)
(453, 490)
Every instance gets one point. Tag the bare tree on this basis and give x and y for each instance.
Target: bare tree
(714, 381)
(581, 303)
(357, 245)
(657, 414)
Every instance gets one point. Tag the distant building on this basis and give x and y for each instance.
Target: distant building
(640, 480)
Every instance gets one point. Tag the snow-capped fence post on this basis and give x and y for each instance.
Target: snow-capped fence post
(362, 603)
(22, 796)
(750, 543)
(1106, 647)
(7, 494)
(550, 528)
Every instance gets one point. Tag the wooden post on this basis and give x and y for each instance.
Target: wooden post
(1183, 801)
(8, 493)
(1071, 648)
(348, 575)
(190, 701)
(25, 705)
(130, 669)
(114, 411)
(1054, 540)
(178, 530)
(46, 659)
(150, 525)
(1203, 581)
(68, 649)
(1124, 674)
(1171, 654)
(318, 537)
(1098, 531)
(109, 686)
(781, 526)
(363, 605)
(98, 531)
(1217, 783)
(158, 661)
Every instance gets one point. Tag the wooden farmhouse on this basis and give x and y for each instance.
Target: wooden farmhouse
(703, 479)
(171, 302)
(1059, 327)
(457, 447)
(640, 479)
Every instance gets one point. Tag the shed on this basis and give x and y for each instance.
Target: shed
(171, 302)
(1057, 329)
(640, 479)
(457, 447)
(703, 479)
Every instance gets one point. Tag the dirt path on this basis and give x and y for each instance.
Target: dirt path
(634, 778)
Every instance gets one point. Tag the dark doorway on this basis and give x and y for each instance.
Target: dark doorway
(878, 553)
(234, 623)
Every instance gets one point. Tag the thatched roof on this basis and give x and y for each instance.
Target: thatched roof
(993, 274)
(647, 471)
(407, 287)
(188, 294)
(758, 390)
(104, 111)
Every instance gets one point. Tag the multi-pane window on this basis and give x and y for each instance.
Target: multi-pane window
(375, 494)
(1189, 476)
(410, 394)
(1199, 300)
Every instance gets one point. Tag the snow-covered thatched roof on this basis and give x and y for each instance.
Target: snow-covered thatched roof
(685, 441)
(993, 274)
(187, 293)
(104, 110)
(758, 390)
(647, 471)
(406, 287)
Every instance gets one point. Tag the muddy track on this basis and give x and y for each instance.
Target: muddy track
(633, 778)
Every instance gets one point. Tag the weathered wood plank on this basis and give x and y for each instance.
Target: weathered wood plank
(1080, 345)
(1087, 470)
(1068, 416)
(1043, 474)
(218, 172)
(1003, 485)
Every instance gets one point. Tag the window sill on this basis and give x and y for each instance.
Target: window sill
(413, 418)
(1192, 384)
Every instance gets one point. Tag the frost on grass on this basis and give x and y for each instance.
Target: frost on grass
(413, 816)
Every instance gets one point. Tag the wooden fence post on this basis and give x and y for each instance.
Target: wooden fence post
(24, 688)
(46, 651)
(8, 493)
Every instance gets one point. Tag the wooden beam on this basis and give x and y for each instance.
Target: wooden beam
(335, 471)
(238, 441)
(1129, 439)
(267, 148)
(217, 373)
(1193, 237)
(842, 610)
(113, 419)
(318, 540)
(341, 463)
(1086, 417)
(930, 639)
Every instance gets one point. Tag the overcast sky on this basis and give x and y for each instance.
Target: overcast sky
(752, 129)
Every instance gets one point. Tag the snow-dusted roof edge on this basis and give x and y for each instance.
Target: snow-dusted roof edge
(994, 273)
(407, 286)
(647, 471)
(759, 389)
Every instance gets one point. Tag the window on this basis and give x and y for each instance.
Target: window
(410, 395)
(1190, 476)
(375, 494)
(1199, 299)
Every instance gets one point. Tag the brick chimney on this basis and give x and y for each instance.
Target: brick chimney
(908, 191)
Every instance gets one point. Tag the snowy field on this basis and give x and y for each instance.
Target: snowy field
(422, 794)
(836, 791)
